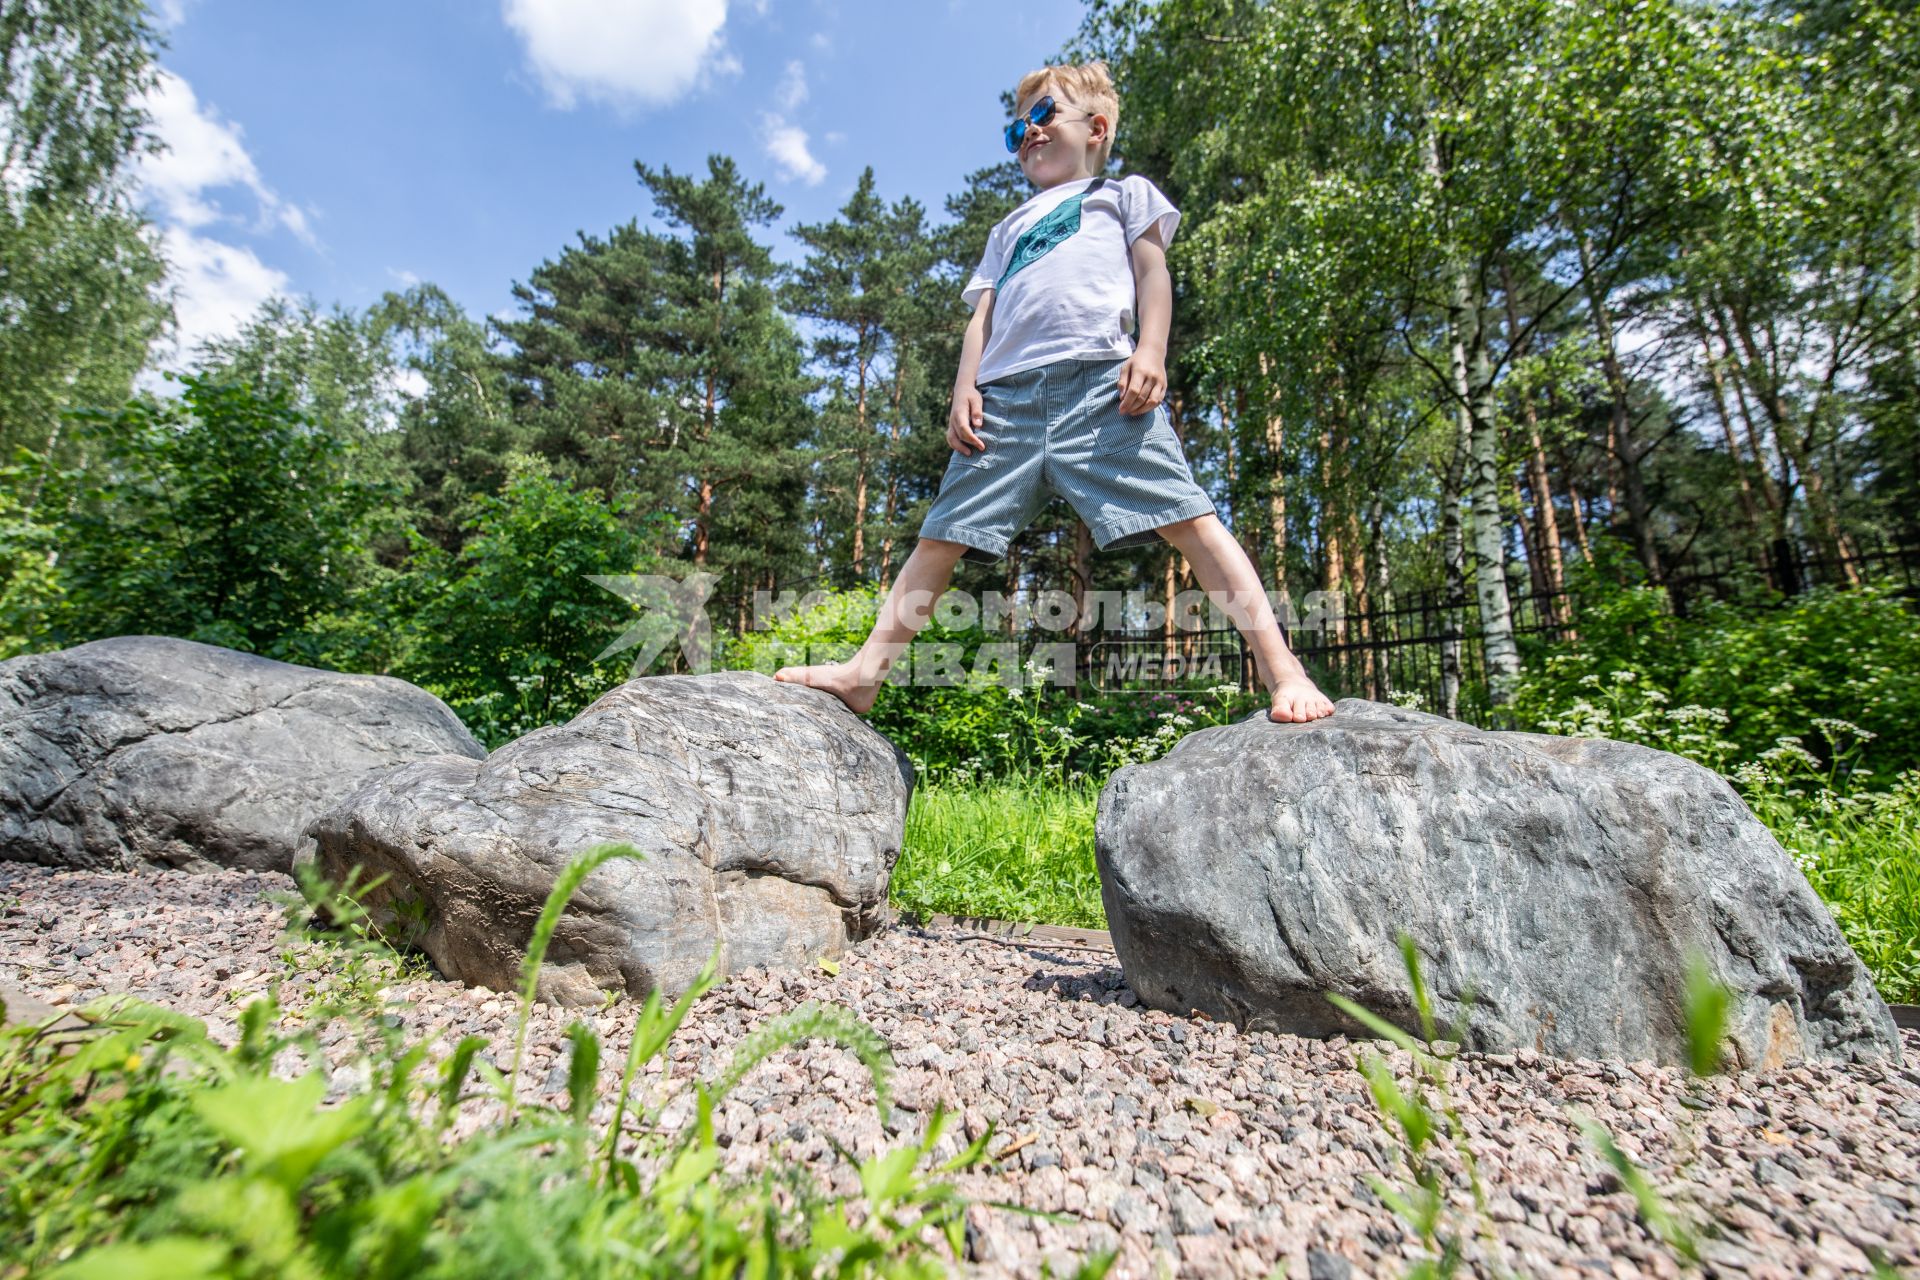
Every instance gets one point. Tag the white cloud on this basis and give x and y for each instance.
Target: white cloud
(205, 154)
(624, 53)
(222, 284)
(787, 144)
(793, 87)
(206, 181)
(407, 279)
(217, 288)
(172, 12)
(408, 383)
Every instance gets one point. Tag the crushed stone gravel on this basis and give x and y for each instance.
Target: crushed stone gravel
(1191, 1147)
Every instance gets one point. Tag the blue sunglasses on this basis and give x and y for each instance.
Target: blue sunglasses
(1041, 113)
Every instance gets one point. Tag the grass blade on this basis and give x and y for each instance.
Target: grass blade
(569, 880)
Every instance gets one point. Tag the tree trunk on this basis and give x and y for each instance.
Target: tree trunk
(1362, 631)
(702, 523)
(1717, 379)
(1013, 589)
(1578, 509)
(1546, 519)
(1380, 599)
(1797, 449)
(1453, 553)
(1245, 532)
(1490, 561)
(1769, 491)
(1227, 421)
(1530, 544)
(893, 479)
(1167, 645)
(1188, 640)
(1277, 502)
(860, 474)
(1333, 564)
(1473, 383)
(1626, 453)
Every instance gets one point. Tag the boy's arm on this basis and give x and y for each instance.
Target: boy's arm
(964, 418)
(1143, 382)
(979, 329)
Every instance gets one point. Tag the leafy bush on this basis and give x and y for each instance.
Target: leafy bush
(146, 1150)
(29, 555)
(997, 721)
(1760, 669)
(509, 632)
(226, 517)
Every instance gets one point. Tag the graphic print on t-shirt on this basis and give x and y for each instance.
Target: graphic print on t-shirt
(1041, 238)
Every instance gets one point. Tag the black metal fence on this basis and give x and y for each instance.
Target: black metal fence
(1427, 649)
(1424, 647)
(1787, 569)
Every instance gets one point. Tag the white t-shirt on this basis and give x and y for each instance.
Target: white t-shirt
(1061, 268)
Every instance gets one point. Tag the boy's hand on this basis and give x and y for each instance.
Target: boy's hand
(1143, 381)
(963, 420)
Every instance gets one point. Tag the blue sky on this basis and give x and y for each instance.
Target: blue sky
(344, 149)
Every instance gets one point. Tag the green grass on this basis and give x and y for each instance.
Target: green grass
(1862, 856)
(1016, 850)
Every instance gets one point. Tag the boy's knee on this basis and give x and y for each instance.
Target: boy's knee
(943, 548)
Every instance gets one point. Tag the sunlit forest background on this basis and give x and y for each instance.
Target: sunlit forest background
(1559, 340)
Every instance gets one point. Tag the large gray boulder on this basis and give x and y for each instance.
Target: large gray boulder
(151, 751)
(769, 815)
(1565, 881)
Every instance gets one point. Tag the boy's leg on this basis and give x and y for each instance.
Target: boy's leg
(1227, 576)
(857, 681)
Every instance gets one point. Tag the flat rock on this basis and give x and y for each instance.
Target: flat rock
(151, 751)
(769, 816)
(1560, 883)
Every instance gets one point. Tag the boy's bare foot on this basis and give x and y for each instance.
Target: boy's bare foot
(842, 679)
(1296, 699)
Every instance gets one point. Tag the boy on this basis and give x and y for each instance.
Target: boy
(1051, 391)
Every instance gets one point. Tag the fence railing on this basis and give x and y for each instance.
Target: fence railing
(1789, 570)
(1424, 646)
(1430, 647)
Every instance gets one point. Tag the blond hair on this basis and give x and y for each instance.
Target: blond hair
(1085, 85)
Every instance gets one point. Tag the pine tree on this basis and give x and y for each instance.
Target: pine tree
(657, 364)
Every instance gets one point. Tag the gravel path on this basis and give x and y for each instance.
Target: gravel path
(1195, 1149)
